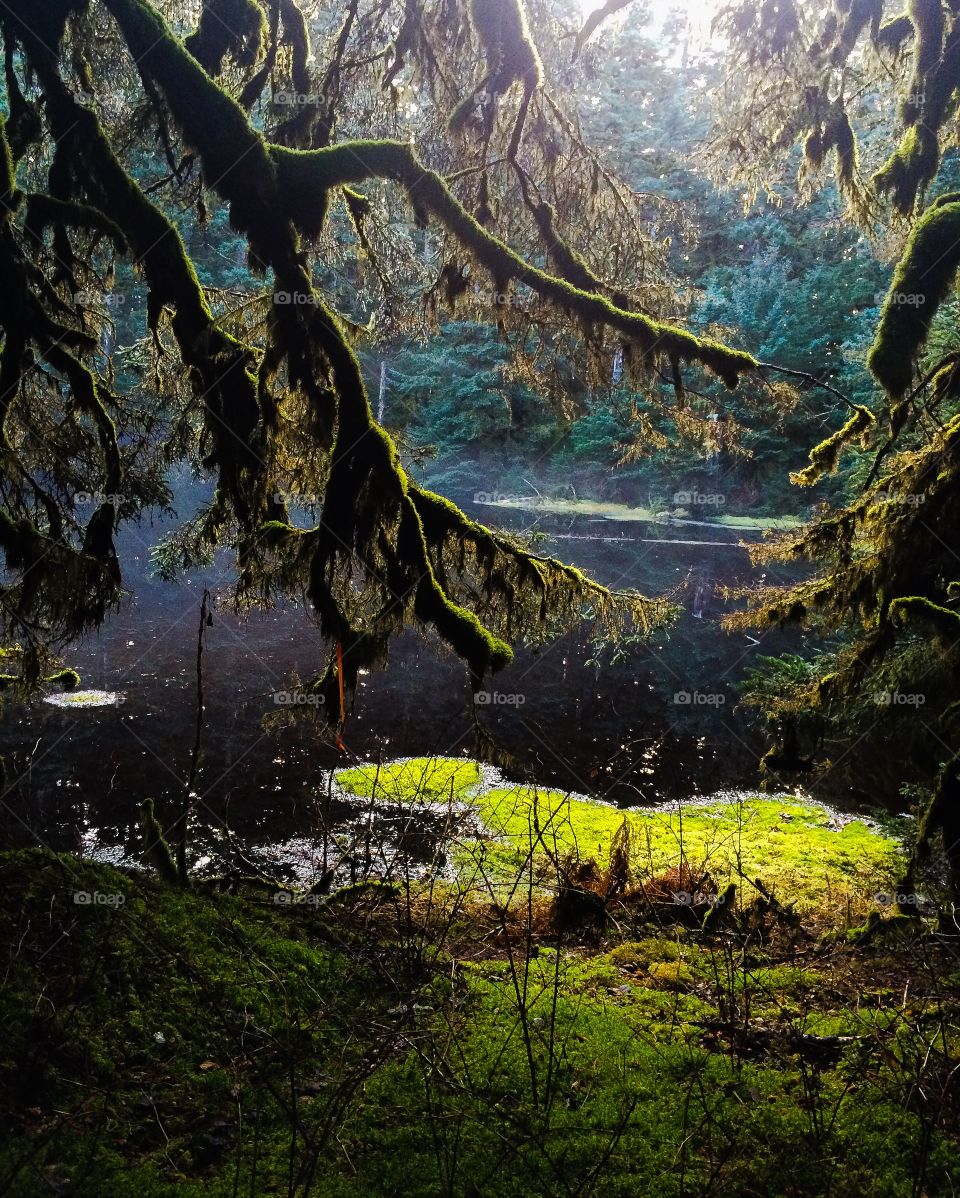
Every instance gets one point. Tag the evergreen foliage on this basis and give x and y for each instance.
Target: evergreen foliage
(884, 570)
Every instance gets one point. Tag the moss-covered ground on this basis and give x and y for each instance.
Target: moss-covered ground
(434, 1040)
(421, 778)
(818, 861)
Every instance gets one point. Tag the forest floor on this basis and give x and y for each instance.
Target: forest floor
(569, 1002)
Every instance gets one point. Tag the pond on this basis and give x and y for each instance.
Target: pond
(660, 727)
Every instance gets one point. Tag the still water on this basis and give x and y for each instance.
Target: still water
(662, 726)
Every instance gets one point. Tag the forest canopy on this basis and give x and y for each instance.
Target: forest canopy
(339, 143)
(385, 166)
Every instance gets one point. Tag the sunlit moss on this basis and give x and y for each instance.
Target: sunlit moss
(798, 848)
(421, 779)
(825, 457)
(921, 283)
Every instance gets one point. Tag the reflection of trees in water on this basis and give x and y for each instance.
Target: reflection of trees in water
(599, 731)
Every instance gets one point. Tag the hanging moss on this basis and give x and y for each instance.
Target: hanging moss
(305, 188)
(814, 150)
(47, 20)
(371, 514)
(859, 15)
(893, 34)
(839, 136)
(85, 392)
(25, 126)
(156, 849)
(298, 129)
(922, 281)
(20, 542)
(942, 84)
(231, 150)
(45, 211)
(836, 134)
(501, 26)
(910, 168)
(222, 367)
(825, 457)
(943, 815)
(9, 196)
(355, 162)
(228, 28)
(929, 23)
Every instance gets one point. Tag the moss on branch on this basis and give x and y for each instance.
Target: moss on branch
(916, 608)
(228, 28)
(895, 33)
(910, 167)
(512, 57)
(825, 457)
(309, 175)
(922, 281)
(422, 560)
(45, 211)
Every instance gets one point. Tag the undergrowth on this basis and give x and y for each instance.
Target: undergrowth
(587, 1030)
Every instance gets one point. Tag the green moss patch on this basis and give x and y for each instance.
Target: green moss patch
(163, 1043)
(798, 849)
(87, 698)
(421, 779)
(802, 852)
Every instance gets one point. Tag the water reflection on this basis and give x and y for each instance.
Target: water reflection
(660, 726)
